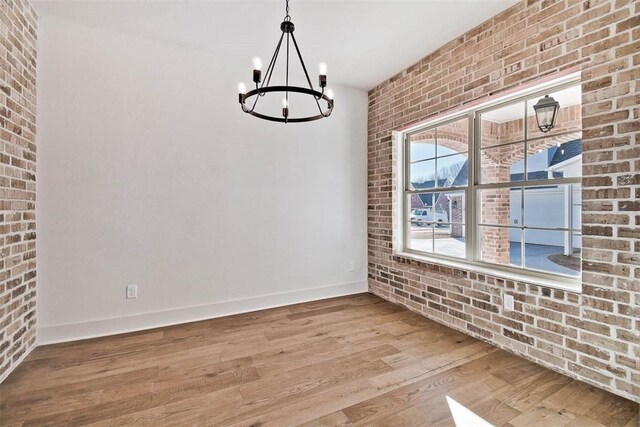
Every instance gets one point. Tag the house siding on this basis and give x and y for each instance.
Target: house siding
(593, 335)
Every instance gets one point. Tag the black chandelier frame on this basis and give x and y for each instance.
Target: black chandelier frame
(262, 85)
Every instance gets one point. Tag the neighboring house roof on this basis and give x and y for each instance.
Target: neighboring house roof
(463, 176)
(566, 151)
(427, 199)
(428, 184)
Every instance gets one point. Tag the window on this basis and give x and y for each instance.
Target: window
(436, 184)
(488, 187)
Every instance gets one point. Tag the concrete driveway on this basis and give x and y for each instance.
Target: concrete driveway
(537, 256)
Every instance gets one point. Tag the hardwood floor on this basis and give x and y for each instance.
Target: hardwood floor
(354, 360)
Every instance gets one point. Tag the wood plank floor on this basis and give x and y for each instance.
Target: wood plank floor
(355, 360)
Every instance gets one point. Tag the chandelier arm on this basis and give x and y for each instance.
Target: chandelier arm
(272, 64)
(253, 107)
(304, 67)
(269, 72)
(319, 107)
(255, 102)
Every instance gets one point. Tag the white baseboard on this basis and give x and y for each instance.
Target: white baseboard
(103, 327)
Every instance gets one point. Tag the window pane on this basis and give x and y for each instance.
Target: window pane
(500, 245)
(422, 174)
(449, 240)
(502, 125)
(444, 148)
(453, 171)
(552, 206)
(453, 137)
(502, 164)
(420, 237)
(569, 115)
(500, 206)
(550, 158)
(422, 145)
(552, 251)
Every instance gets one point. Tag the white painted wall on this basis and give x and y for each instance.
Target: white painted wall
(149, 174)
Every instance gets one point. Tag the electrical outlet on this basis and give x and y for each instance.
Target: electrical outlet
(352, 266)
(508, 302)
(132, 291)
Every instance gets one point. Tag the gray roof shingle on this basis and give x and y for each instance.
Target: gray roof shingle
(566, 151)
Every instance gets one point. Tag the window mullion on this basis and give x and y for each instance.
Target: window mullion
(470, 220)
(525, 175)
(406, 227)
(435, 183)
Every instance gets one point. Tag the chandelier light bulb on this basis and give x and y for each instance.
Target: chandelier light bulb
(322, 69)
(257, 63)
(329, 94)
(285, 103)
(242, 88)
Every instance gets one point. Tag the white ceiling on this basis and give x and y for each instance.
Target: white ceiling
(363, 41)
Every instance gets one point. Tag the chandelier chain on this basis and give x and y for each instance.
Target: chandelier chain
(287, 17)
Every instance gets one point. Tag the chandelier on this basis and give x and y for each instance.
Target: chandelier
(262, 83)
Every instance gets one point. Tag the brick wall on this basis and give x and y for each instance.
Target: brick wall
(593, 335)
(17, 182)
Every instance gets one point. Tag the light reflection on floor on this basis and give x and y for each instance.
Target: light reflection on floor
(463, 417)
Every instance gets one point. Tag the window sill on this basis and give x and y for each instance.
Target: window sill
(568, 285)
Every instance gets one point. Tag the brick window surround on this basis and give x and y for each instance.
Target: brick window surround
(494, 164)
(593, 335)
(18, 26)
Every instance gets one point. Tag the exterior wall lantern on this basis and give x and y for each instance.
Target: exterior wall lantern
(546, 110)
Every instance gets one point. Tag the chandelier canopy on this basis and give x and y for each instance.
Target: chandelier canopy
(262, 84)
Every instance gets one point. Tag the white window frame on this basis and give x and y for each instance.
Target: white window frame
(472, 261)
